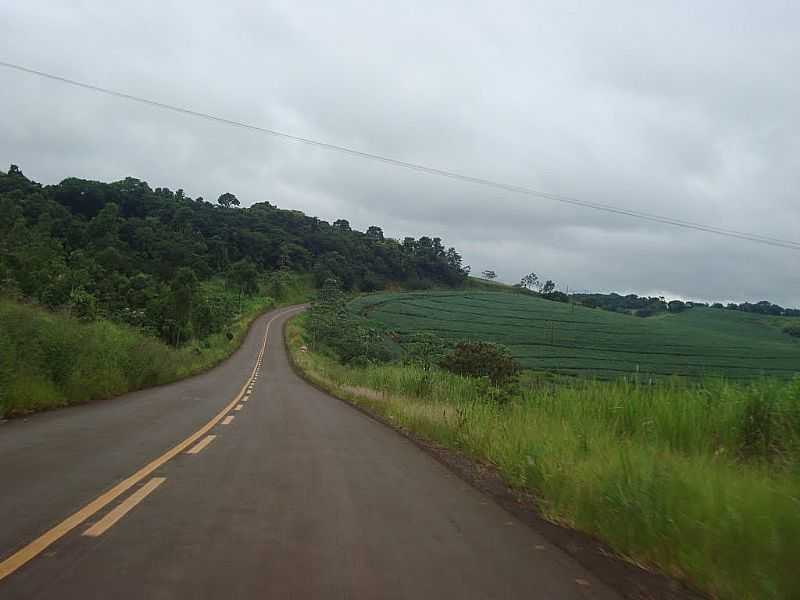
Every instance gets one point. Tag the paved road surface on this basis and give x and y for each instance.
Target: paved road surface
(297, 496)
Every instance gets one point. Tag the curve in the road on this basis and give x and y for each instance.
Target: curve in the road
(41, 543)
(299, 496)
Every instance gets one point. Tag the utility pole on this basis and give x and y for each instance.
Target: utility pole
(571, 304)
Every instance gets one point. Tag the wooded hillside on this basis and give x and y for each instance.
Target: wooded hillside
(139, 255)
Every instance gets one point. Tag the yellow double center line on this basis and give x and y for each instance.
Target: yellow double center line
(37, 546)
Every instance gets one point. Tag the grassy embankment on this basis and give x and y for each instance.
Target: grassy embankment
(699, 480)
(49, 359)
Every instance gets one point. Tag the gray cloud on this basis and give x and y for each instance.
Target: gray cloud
(688, 109)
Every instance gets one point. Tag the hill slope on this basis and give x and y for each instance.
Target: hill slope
(137, 255)
(563, 338)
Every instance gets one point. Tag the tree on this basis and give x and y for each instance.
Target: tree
(83, 304)
(453, 258)
(489, 274)
(375, 233)
(531, 282)
(676, 306)
(183, 291)
(341, 225)
(227, 200)
(244, 276)
(278, 284)
(548, 287)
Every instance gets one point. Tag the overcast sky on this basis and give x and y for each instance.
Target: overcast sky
(688, 109)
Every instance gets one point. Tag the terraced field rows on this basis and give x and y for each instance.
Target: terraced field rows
(551, 336)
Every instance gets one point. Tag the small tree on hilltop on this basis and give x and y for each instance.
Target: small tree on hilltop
(228, 200)
(531, 282)
(375, 233)
(489, 274)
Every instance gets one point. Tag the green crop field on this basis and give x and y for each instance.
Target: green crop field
(575, 340)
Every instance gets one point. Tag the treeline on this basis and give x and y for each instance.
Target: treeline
(648, 305)
(762, 308)
(642, 306)
(178, 267)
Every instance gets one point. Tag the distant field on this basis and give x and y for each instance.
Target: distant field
(575, 340)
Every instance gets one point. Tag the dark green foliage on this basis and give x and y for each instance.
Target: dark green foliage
(228, 200)
(676, 306)
(375, 233)
(641, 306)
(332, 327)
(556, 296)
(424, 349)
(531, 282)
(532, 285)
(150, 258)
(83, 304)
(792, 329)
(632, 302)
(243, 277)
(482, 359)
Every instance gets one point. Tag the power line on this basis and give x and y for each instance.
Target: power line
(742, 235)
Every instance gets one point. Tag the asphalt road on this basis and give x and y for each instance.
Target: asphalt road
(297, 496)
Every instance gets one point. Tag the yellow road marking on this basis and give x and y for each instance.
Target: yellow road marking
(239, 407)
(120, 511)
(227, 420)
(37, 546)
(201, 444)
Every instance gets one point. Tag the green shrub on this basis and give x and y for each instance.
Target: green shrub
(349, 337)
(482, 359)
(424, 349)
(83, 304)
(792, 329)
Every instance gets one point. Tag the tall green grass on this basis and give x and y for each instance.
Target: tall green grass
(50, 359)
(699, 480)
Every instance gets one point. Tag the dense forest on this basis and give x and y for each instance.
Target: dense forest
(160, 260)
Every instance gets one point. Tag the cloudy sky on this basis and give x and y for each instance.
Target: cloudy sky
(689, 109)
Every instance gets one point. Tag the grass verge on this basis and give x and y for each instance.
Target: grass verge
(50, 360)
(617, 463)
